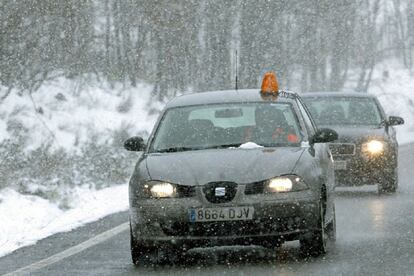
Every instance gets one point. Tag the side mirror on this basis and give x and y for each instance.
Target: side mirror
(395, 120)
(134, 144)
(324, 135)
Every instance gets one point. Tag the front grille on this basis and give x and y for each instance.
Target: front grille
(342, 149)
(185, 191)
(228, 191)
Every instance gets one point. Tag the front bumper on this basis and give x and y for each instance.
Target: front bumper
(361, 170)
(277, 218)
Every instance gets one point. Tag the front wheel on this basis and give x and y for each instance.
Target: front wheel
(388, 183)
(315, 245)
(141, 254)
(146, 255)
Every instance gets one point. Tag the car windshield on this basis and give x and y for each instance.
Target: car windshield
(352, 111)
(227, 125)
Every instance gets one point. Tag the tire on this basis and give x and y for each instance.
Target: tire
(389, 183)
(144, 255)
(315, 245)
(331, 227)
(140, 253)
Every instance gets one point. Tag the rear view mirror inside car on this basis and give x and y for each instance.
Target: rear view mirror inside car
(228, 113)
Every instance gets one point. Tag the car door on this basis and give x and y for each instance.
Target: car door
(323, 158)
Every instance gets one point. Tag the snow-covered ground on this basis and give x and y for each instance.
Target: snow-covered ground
(396, 94)
(26, 219)
(68, 112)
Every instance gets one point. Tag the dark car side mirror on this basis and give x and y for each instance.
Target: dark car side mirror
(134, 144)
(395, 120)
(324, 135)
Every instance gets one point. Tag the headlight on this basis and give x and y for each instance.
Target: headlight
(291, 183)
(159, 189)
(373, 147)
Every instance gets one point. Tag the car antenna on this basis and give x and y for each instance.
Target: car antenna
(236, 85)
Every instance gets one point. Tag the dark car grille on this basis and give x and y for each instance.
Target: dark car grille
(230, 189)
(185, 191)
(342, 149)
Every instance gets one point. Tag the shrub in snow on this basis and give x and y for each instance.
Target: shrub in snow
(69, 134)
(51, 173)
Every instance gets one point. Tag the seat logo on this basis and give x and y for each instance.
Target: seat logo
(220, 191)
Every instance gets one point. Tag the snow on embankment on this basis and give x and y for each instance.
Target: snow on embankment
(69, 112)
(394, 87)
(26, 219)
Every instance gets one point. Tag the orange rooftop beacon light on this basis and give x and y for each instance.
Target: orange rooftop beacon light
(270, 86)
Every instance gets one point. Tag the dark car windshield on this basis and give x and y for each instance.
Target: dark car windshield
(344, 110)
(227, 125)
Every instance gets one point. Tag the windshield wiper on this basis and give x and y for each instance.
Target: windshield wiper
(176, 149)
(235, 145)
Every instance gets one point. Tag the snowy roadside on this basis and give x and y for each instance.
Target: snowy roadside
(405, 137)
(58, 113)
(394, 87)
(25, 219)
(67, 119)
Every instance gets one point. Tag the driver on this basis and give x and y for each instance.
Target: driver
(271, 127)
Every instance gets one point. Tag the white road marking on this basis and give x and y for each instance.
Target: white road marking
(71, 251)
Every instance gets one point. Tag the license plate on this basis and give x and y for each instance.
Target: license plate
(340, 165)
(221, 214)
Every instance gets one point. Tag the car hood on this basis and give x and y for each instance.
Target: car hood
(358, 133)
(235, 165)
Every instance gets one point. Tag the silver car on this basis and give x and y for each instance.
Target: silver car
(231, 168)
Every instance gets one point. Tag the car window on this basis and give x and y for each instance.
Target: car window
(246, 117)
(344, 110)
(209, 126)
(310, 127)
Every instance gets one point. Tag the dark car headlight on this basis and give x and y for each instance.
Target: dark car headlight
(283, 184)
(373, 147)
(160, 189)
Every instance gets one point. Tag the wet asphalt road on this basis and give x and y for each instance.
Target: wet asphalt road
(375, 236)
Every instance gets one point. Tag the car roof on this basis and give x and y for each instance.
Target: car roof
(226, 96)
(336, 94)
